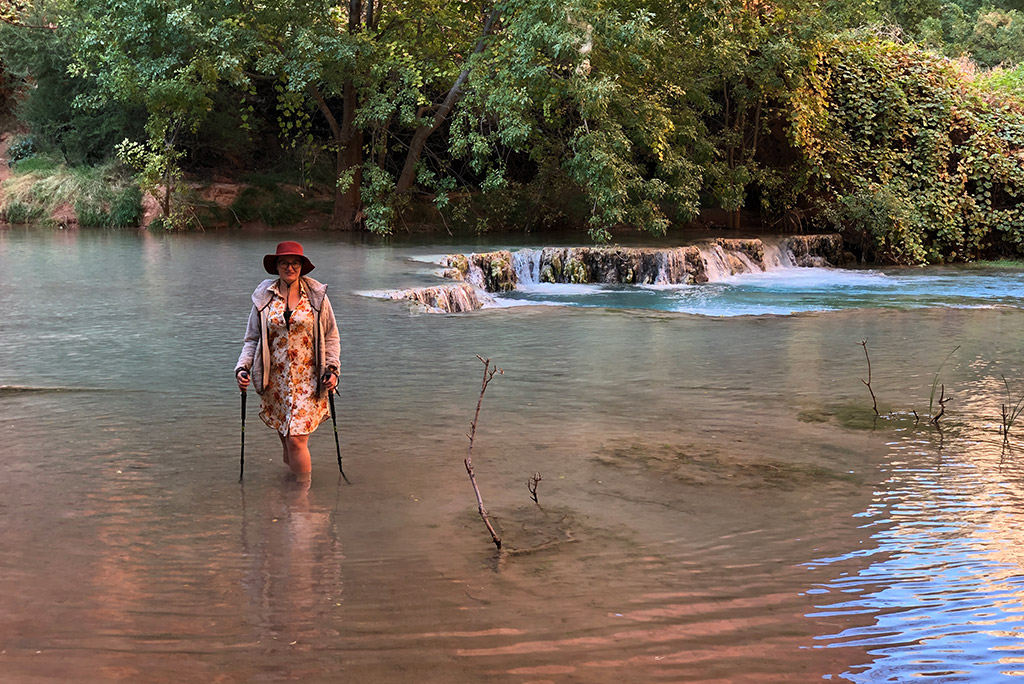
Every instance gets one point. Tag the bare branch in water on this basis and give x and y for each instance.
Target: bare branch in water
(935, 381)
(1010, 413)
(942, 405)
(489, 373)
(531, 484)
(867, 383)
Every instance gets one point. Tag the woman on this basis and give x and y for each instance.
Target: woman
(291, 353)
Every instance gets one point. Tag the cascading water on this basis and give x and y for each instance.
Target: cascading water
(475, 276)
(723, 277)
(709, 262)
(602, 276)
(527, 265)
(776, 256)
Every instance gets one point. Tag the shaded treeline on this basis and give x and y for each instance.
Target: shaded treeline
(898, 123)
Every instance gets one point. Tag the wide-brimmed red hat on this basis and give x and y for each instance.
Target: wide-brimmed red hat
(287, 248)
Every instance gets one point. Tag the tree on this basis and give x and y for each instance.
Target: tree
(165, 59)
(36, 52)
(491, 77)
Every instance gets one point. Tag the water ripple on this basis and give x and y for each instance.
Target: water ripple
(943, 592)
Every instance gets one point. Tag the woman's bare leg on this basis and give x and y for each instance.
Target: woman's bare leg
(298, 456)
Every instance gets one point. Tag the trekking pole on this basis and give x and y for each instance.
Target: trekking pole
(241, 457)
(337, 445)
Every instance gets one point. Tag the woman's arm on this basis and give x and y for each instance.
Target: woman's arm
(332, 340)
(252, 335)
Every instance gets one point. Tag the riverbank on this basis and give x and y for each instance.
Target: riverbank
(219, 201)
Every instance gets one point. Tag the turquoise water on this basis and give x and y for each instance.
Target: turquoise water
(795, 290)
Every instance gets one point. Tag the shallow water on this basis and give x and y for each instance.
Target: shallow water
(717, 501)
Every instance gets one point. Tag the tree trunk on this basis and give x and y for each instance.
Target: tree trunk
(348, 154)
(348, 203)
(419, 138)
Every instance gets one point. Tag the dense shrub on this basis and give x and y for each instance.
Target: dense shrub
(22, 147)
(270, 204)
(61, 109)
(905, 158)
(20, 212)
(126, 208)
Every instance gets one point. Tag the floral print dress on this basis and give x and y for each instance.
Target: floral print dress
(289, 403)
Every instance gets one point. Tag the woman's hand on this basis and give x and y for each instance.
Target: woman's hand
(330, 380)
(243, 380)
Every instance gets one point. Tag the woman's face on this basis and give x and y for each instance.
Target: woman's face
(289, 268)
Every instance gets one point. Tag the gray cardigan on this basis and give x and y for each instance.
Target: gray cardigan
(255, 356)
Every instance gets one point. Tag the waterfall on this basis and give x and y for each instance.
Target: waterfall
(716, 263)
(475, 276)
(776, 256)
(672, 267)
(527, 265)
(714, 260)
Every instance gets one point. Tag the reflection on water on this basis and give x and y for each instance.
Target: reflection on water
(938, 591)
(715, 505)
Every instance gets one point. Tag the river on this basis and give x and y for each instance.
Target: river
(718, 502)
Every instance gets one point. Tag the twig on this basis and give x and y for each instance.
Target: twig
(935, 380)
(531, 484)
(489, 373)
(942, 405)
(867, 383)
(1010, 414)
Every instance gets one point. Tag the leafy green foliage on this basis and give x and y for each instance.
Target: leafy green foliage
(522, 113)
(41, 58)
(906, 158)
(21, 148)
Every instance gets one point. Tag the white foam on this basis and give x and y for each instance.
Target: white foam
(566, 289)
(435, 259)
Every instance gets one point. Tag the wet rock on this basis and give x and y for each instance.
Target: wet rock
(576, 271)
(501, 271)
(456, 266)
(816, 250)
(496, 268)
(457, 263)
(556, 267)
(455, 298)
(753, 249)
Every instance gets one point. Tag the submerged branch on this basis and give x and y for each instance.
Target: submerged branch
(489, 373)
(867, 383)
(531, 484)
(942, 405)
(935, 380)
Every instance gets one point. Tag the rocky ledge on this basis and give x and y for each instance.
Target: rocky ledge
(501, 271)
(454, 298)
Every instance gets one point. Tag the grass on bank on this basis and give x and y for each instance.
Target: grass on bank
(101, 196)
